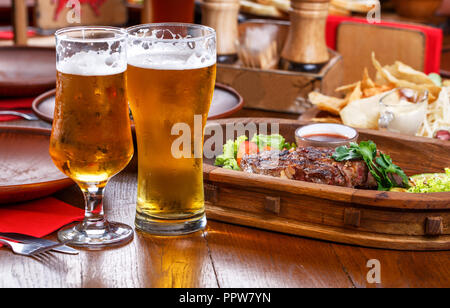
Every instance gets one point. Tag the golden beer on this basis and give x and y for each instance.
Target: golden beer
(168, 187)
(91, 139)
(91, 135)
(170, 82)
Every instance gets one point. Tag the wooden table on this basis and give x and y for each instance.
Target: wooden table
(223, 255)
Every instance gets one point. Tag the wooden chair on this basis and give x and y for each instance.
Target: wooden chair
(20, 22)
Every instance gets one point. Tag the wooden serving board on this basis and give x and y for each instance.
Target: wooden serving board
(391, 220)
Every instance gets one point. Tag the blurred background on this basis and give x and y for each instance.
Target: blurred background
(45, 14)
(415, 32)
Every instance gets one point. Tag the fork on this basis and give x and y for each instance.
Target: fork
(27, 239)
(29, 249)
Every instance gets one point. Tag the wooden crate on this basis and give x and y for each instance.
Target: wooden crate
(279, 90)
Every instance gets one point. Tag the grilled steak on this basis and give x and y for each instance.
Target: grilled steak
(311, 165)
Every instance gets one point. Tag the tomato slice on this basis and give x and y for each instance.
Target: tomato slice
(246, 147)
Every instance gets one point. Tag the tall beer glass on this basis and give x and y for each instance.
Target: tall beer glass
(91, 137)
(170, 80)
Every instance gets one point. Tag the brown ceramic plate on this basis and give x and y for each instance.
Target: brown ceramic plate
(26, 71)
(26, 169)
(226, 101)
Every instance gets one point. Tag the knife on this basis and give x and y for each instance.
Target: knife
(31, 239)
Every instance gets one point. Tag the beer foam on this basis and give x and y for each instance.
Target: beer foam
(93, 63)
(172, 60)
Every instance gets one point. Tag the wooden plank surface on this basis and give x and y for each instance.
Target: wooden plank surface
(146, 262)
(224, 255)
(399, 269)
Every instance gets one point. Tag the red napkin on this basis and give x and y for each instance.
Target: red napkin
(9, 34)
(22, 104)
(39, 217)
(433, 45)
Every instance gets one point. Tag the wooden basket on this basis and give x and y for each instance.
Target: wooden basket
(392, 220)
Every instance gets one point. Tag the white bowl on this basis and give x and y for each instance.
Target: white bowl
(350, 134)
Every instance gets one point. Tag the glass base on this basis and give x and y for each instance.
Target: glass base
(154, 226)
(111, 234)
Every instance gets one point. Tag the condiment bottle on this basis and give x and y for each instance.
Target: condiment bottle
(305, 48)
(222, 15)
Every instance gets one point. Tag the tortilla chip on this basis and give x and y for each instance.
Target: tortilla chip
(387, 74)
(371, 92)
(355, 94)
(377, 90)
(360, 107)
(387, 87)
(347, 88)
(363, 113)
(330, 104)
(405, 72)
(391, 69)
(379, 80)
(384, 72)
(367, 82)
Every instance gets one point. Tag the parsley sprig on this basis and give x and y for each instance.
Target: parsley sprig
(382, 168)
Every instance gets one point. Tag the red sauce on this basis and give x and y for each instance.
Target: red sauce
(325, 137)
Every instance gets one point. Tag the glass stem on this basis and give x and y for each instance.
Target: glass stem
(94, 218)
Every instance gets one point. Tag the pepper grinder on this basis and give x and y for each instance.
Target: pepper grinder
(20, 22)
(305, 49)
(222, 15)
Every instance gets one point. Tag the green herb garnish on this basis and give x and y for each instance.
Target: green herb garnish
(382, 168)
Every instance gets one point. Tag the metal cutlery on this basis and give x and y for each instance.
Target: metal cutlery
(29, 249)
(26, 116)
(27, 239)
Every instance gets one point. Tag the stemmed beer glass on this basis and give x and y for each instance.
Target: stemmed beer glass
(91, 137)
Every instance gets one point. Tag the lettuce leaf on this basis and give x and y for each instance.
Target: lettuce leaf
(275, 141)
(428, 183)
(227, 160)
